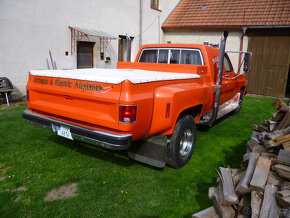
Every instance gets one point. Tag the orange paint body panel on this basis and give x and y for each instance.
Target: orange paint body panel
(96, 107)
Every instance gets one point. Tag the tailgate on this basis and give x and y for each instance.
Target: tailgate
(76, 101)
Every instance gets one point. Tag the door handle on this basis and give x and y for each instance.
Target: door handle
(227, 76)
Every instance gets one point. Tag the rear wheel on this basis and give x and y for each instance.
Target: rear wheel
(182, 142)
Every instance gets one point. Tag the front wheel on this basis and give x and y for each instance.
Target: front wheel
(182, 142)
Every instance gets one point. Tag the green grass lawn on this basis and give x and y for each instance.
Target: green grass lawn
(110, 184)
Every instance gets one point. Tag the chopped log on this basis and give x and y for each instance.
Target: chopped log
(285, 122)
(283, 171)
(285, 186)
(229, 195)
(282, 139)
(261, 174)
(283, 197)
(223, 211)
(277, 103)
(284, 157)
(244, 206)
(245, 161)
(260, 128)
(278, 116)
(269, 206)
(255, 146)
(286, 145)
(272, 157)
(256, 202)
(274, 179)
(255, 136)
(277, 133)
(274, 140)
(272, 125)
(234, 172)
(243, 186)
(206, 213)
(280, 105)
(237, 178)
(284, 107)
(269, 155)
(271, 146)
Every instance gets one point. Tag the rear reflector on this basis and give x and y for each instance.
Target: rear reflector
(167, 110)
(27, 95)
(127, 114)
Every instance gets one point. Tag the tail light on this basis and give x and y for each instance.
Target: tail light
(127, 114)
(27, 95)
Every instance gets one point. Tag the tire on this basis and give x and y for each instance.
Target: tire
(238, 109)
(182, 142)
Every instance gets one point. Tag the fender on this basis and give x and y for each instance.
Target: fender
(181, 97)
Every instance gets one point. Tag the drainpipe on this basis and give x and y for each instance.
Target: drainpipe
(140, 22)
(159, 28)
(241, 48)
(128, 48)
(219, 83)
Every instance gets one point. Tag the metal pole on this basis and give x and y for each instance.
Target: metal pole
(52, 65)
(7, 99)
(128, 47)
(159, 29)
(140, 23)
(219, 83)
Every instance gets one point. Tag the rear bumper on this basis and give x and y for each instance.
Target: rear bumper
(101, 139)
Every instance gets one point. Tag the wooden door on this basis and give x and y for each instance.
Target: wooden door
(85, 54)
(270, 63)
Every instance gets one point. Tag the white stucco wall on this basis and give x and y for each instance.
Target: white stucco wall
(28, 29)
(213, 36)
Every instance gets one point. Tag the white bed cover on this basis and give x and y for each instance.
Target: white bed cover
(113, 76)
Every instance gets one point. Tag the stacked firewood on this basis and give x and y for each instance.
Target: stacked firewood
(261, 188)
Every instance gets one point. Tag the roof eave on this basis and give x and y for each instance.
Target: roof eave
(200, 27)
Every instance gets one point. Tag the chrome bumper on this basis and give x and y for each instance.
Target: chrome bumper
(101, 139)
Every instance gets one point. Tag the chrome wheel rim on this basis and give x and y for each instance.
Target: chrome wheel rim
(186, 143)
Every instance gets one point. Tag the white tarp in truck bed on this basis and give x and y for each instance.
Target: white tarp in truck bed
(114, 76)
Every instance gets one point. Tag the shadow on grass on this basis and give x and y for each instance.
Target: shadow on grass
(235, 156)
(205, 128)
(113, 156)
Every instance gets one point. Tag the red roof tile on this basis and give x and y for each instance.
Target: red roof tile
(229, 14)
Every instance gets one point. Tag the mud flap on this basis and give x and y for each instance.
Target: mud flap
(151, 151)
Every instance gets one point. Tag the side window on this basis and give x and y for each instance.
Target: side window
(227, 64)
(190, 57)
(163, 56)
(149, 56)
(174, 56)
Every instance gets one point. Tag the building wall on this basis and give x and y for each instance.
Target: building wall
(213, 36)
(28, 29)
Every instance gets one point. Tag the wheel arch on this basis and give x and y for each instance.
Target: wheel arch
(194, 111)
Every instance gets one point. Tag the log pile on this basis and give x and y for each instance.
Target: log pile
(261, 188)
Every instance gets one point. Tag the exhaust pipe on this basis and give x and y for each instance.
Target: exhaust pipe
(220, 75)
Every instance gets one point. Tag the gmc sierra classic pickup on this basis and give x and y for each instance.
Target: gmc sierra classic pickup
(150, 106)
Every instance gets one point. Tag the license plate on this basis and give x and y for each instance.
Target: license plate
(64, 132)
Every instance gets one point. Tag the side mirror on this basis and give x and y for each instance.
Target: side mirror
(247, 61)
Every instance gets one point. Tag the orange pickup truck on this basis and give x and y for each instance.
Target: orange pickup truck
(150, 106)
